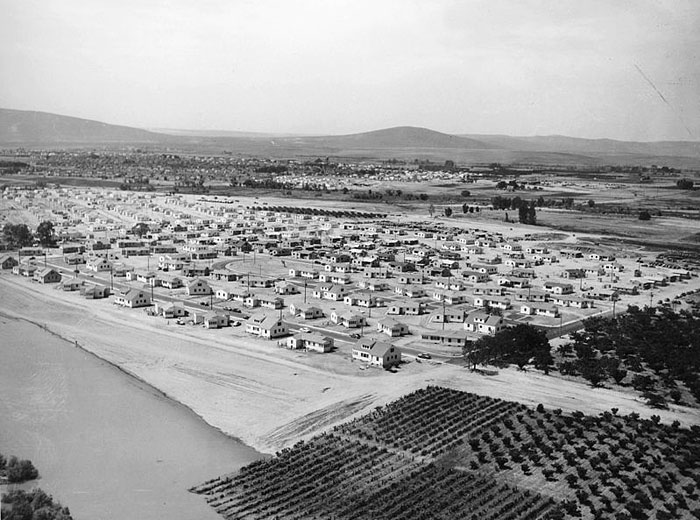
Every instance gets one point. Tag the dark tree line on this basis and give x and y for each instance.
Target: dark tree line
(272, 169)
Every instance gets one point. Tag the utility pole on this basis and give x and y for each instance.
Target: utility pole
(561, 317)
(443, 312)
(304, 291)
(111, 279)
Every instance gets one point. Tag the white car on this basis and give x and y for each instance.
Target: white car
(305, 329)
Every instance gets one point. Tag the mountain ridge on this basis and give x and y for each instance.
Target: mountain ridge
(21, 128)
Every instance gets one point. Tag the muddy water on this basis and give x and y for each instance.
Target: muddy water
(106, 445)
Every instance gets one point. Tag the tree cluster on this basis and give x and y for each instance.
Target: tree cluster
(656, 348)
(45, 234)
(32, 505)
(17, 235)
(520, 345)
(15, 470)
(527, 213)
(684, 184)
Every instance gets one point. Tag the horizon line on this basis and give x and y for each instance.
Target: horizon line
(263, 134)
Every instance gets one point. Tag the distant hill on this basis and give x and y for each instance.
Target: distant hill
(219, 133)
(21, 127)
(397, 137)
(596, 147)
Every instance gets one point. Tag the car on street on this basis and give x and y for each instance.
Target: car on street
(424, 355)
(305, 329)
(355, 335)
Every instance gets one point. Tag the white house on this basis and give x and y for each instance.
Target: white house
(376, 353)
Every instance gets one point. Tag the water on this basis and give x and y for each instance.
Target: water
(105, 445)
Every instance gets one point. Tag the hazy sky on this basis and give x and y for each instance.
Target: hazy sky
(520, 67)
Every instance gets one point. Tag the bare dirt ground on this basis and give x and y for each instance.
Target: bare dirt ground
(270, 397)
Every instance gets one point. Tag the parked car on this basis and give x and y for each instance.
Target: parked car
(424, 355)
(305, 329)
(355, 335)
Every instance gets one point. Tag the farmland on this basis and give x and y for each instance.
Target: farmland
(439, 453)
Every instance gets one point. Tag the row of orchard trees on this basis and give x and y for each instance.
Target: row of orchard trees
(20, 235)
(652, 349)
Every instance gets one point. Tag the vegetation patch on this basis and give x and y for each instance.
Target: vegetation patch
(655, 350)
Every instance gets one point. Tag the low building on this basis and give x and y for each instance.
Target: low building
(348, 320)
(558, 288)
(71, 285)
(305, 312)
(310, 341)
(283, 288)
(392, 328)
(133, 298)
(98, 265)
(170, 310)
(266, 326)
(170, 282)
(539, 309)
(451, 338)
(8, 262)
(47, 275)
(483, 323)
(376, 353)
(198, 287)
(215, 320)
(94, 292)
(407, 308)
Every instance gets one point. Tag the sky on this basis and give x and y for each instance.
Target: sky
(620, 69)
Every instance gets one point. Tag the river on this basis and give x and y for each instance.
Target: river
(106, 445)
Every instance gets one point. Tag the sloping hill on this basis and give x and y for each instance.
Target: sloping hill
(575, 145)
(23, 127)
(397, 137)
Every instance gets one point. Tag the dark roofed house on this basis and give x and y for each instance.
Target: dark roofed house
(47, 275)
(8, 262)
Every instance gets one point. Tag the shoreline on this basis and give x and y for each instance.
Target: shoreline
(269, 398)
(125, 372)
